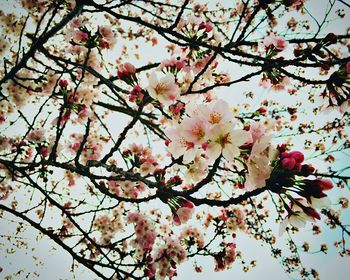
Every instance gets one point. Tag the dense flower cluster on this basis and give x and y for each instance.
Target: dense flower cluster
(145, 232)
(166, 259)
(207, 132)
(288, 179)
(141, 158)
(108, 226)
(191, 235)
(226, 256)
(234, 219)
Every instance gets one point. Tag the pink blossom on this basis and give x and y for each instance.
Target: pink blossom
(80, 36)
(259, 169)
(220, 113)
(299, 213)
(44, 151)
(165, 90)
(36, 136)
(168, 256)
(223, 139)
(63, 83)
(108, 35)
(192, 233)
(224, 259)
(182, 209)
(298, 156)
(125, 70)
(144, 229)
(179, 146)
(195, 130)
(197, 170)
(207, 26)
(275, 41)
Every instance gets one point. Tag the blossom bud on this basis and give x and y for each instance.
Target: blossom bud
(288, 163)
(311, 212)
(63, 83)
(129, 68)
(44, 151)
(298, 156)
(262, 111)
(167, 142)
(281, 148)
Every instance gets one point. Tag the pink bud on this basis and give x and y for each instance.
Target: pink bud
(167, 142)
(129, 68)
(280, 44)
(281, 148)
(312, 212)
(208, 27)
(285, 155)
(63, 83)
(120, 74)
(297, 167)
(298, 156)
(44, 151)
(201, 25)
(180, 64)
(205, 146)
(137, 88)
(288, 163)
(326, 184)
(176, 220)
(104, 44)
(307, 170)
(186, 203)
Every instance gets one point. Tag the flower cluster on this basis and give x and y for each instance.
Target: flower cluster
(91, 150)
(136, 94)
(288, 180)
(234, 219)
(337, 88)
(77, 102)
(272, 78)
(141, 158)
(261, 154)
(226, 256)
(78, 34)
(196, 29)
(274, 44)
(166, 258)
(191, 236)
(145, 232)
(108, 226)
(127, 188)
(126, 72)
(207, 131)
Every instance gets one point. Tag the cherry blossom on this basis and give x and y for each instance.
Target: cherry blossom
(226, 141)
(165, 90)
